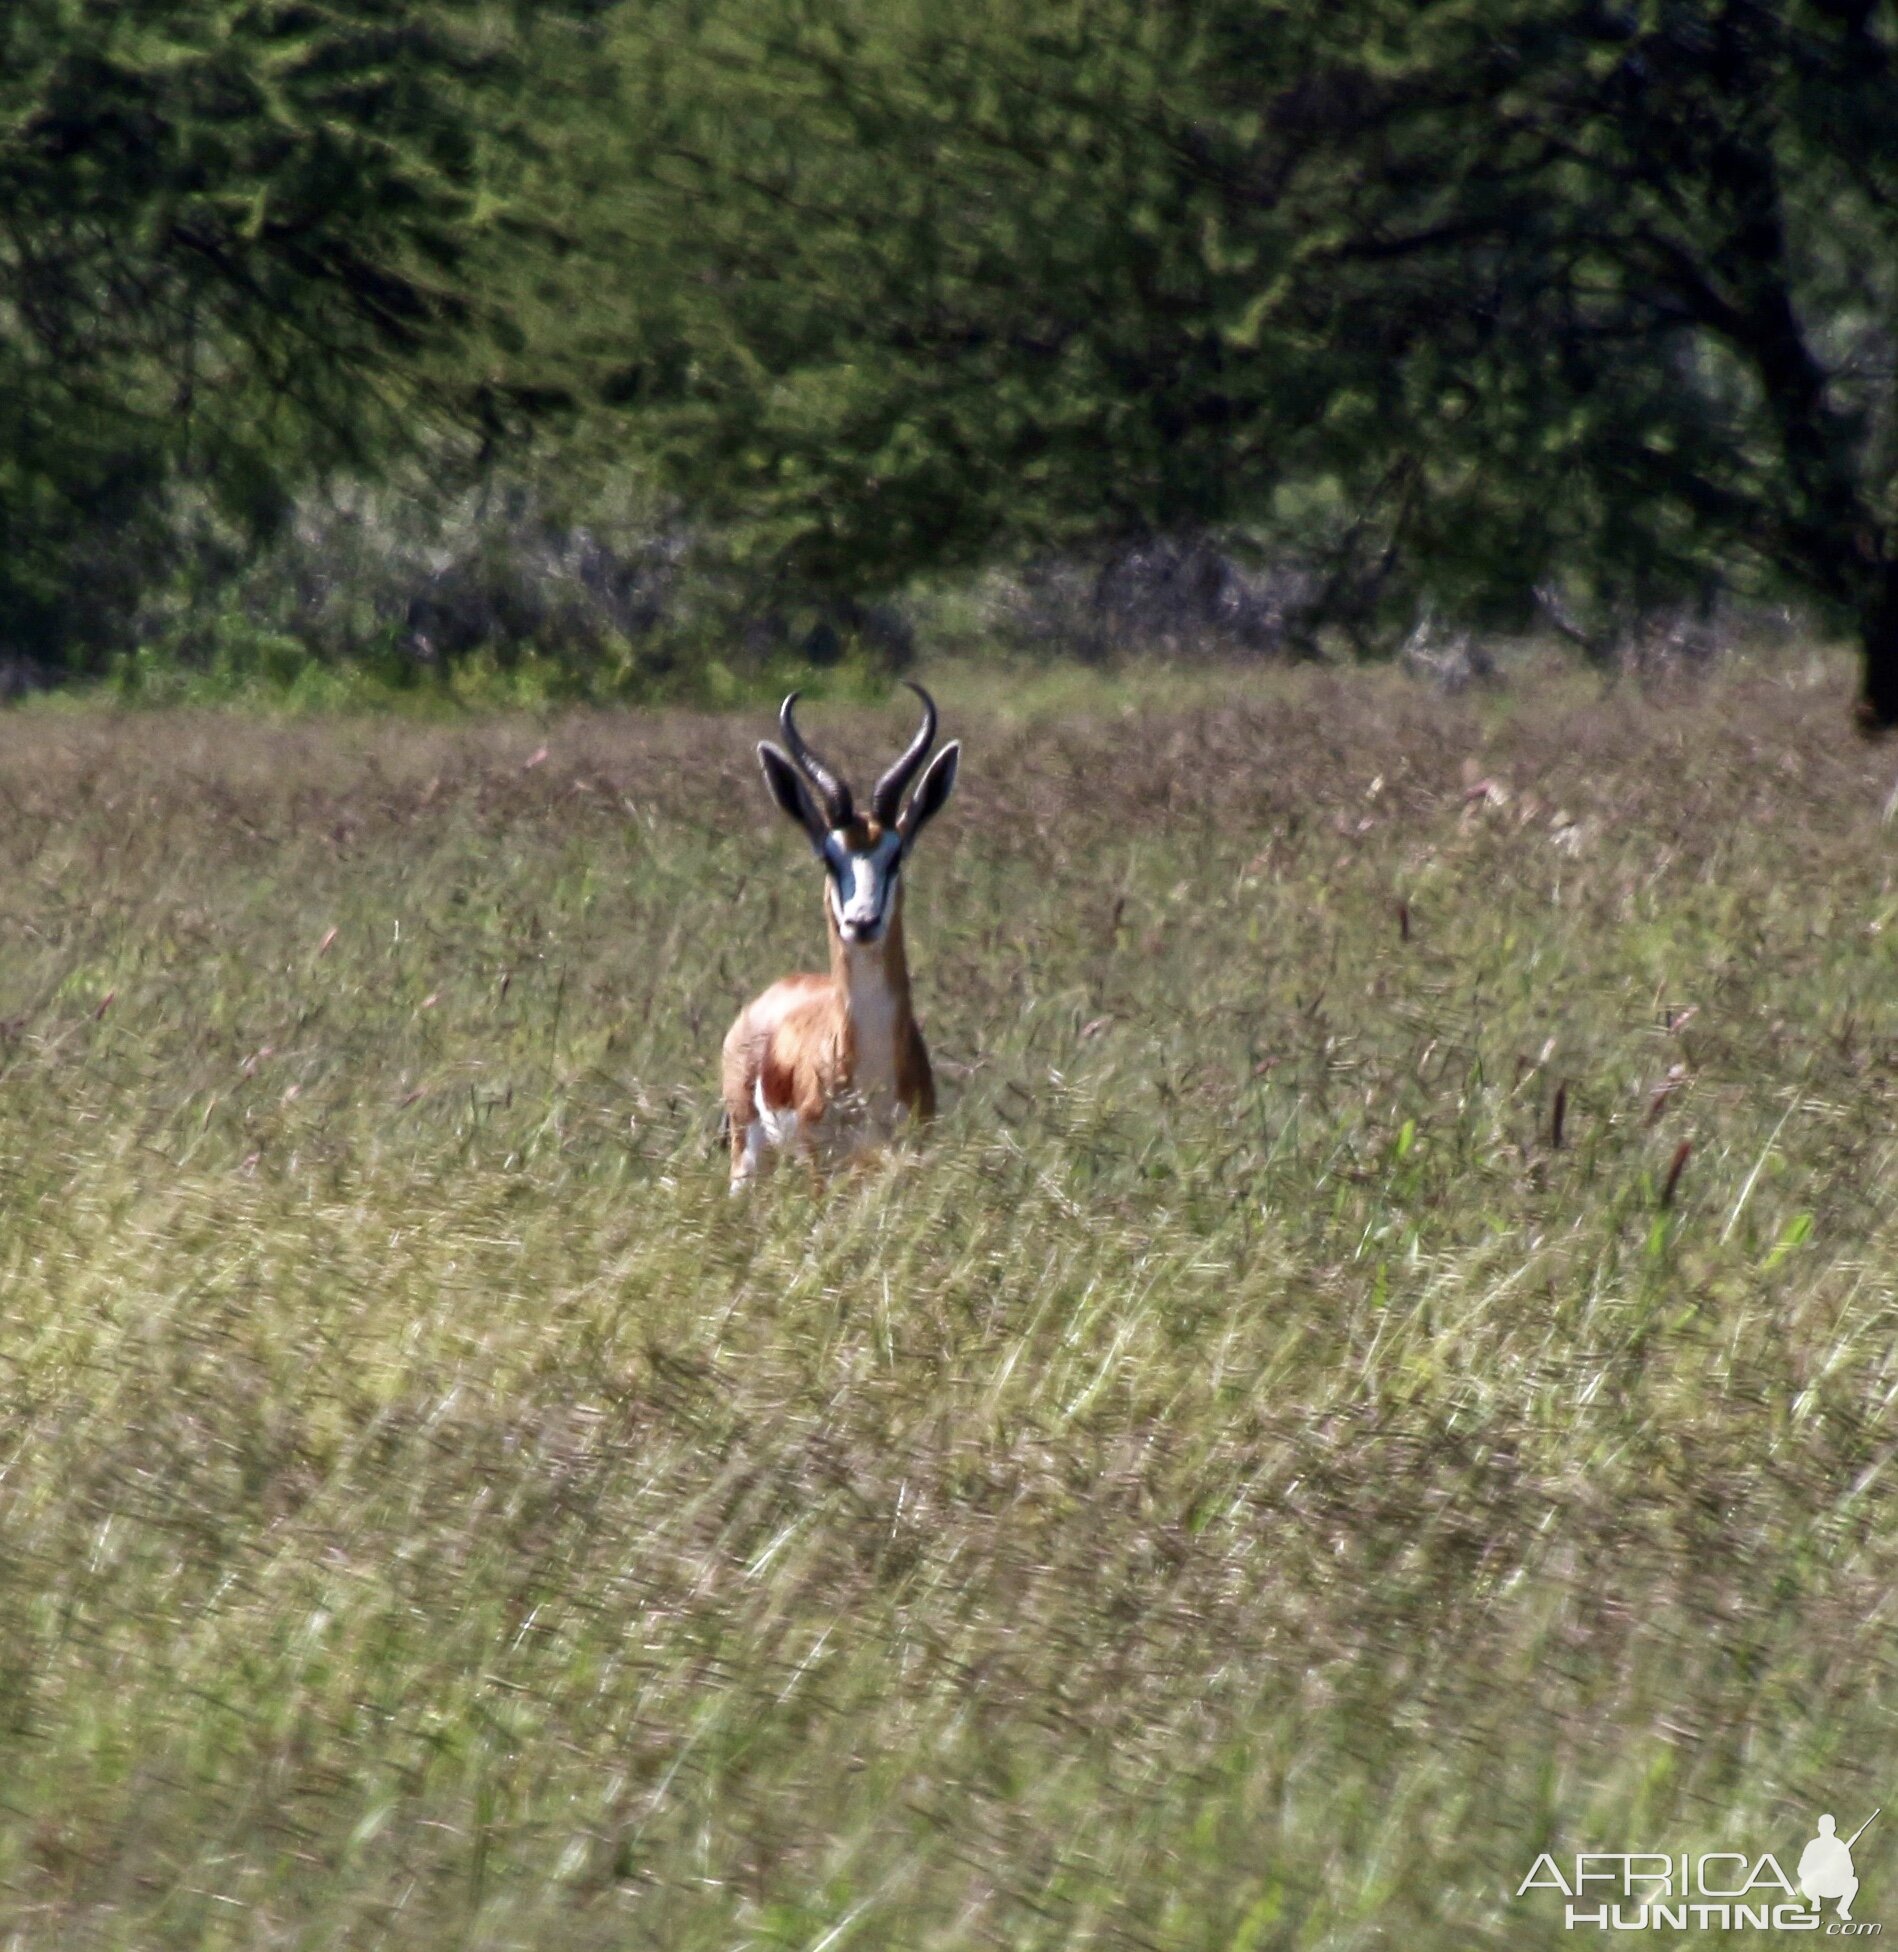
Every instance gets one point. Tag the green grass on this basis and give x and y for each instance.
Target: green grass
(1239, 1485)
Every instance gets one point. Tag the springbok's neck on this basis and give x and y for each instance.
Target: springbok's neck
(871, 977)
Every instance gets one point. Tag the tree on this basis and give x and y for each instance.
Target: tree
(1465, 297)
(234, 244)
(1667, 266)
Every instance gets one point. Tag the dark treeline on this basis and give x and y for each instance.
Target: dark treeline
(1471, 309)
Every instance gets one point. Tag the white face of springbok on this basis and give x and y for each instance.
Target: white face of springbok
(861, 880)
(862, 855)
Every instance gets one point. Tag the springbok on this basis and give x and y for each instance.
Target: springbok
(835, 1062)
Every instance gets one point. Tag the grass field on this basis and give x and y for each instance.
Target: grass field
(1243, 1484)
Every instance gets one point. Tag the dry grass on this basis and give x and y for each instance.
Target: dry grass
(1243, 1486)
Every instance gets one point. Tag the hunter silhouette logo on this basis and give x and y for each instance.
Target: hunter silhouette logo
(1825, 1866)
(1721, 1890)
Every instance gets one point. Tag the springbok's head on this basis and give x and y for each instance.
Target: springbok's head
(862, 853)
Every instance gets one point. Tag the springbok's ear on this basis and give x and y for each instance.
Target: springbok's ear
(932, 792)
(792, 795)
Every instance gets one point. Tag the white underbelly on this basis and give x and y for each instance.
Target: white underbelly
(770, 1127)
(855, 1118)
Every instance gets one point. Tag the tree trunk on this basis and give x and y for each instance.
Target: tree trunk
(1878, 639)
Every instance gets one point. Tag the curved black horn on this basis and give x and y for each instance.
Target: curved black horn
(836, 795)
(887, 801)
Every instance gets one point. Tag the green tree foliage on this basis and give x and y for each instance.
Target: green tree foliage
(235, 237)
(1466, 298)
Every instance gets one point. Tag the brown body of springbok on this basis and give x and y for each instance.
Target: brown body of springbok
(836, 1062)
